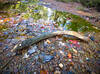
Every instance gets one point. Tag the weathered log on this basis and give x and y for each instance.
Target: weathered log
(34, 40)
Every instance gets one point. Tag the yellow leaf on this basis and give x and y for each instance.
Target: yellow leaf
(22, 34)
(48, 41)
(17, 38)
(74, 50)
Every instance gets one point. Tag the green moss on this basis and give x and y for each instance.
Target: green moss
(77, 23)
(80, 24)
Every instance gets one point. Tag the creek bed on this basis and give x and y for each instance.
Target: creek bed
(57, 54)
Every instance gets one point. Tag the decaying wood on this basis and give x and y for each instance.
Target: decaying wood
(34, 40)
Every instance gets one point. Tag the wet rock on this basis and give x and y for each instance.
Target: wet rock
(70, 72)
(54, 54)
(6, 47)
(57, 71)
(1, 44)
(61, 65)
(61, 44)
(8, 40)
(36, 57)
(92, 38)
(6, 33)
(47, 58)
(5, 72)
(64, 72)
(14, 41)
(9, 54)
(32, 50)
(87, 59)
(25, 55)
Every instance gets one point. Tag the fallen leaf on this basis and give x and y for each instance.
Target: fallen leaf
(48, 41)
(17, 38)
(74, 50)
(69, 55)
(6, 20)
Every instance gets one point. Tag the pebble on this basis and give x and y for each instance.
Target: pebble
(1, 44)
(92, 38)
(69, 55)
(61, 65)
(47, 58)
(32, 50)
(70, 72)
(25, 55)
(6, 47)
(5, 33)
(14, 41)
(87, 59)
(57, 72)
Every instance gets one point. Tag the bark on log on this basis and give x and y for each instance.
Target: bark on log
(34, 40)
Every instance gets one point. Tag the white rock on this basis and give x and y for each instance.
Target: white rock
(61, 65)
(32, 50)
(61, 44)
(26, 55)
(61, 52)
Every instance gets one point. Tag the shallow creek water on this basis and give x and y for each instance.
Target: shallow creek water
(61, 54)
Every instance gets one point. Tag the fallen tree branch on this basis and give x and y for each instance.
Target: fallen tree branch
(34, 40)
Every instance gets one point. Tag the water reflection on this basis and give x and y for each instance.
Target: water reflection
(34, 11)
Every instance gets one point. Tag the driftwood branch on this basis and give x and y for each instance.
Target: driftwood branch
(34, 40)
